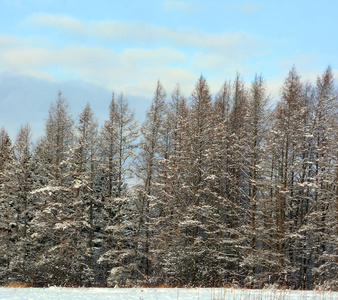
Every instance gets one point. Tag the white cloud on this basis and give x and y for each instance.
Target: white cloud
(246, 8)
(169, 77)
(26, 57)
(146, 34)
(6, 40)
(249, 8)
(151, 53)
(184, 6)
(156, 56)
(62, 22)
(308, 66)
(97, 65)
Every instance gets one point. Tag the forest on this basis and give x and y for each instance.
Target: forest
(210, 191)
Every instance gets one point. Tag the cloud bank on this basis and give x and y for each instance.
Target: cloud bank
(124, 56)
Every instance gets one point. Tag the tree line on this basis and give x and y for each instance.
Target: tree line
(225, 190)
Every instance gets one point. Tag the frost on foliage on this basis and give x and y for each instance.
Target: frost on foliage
(49, 189)
(227, 191)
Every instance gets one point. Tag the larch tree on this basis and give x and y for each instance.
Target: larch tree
(171, 192)
(288, 138)
(222, 108)
(151, 150)
(256, 120)
(237, 170)
(108, 175)
(324, 214)
(16, 211)
(227, 192)
(8, 231)
(122, 129)
(84, 163)
(199, 200)
(53, 223)
(21, 179)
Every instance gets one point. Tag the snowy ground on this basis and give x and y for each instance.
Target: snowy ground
(161, 294)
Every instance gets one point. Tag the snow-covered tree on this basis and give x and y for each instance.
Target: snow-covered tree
(226, 191)
(21, 179)
(8, 231)
(324, 214)
(54, 234)
(290, 145)
(84, 164)
(151, 152)
(171, 194)
(255, 233)
(119, 134)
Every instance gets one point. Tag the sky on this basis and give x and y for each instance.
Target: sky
(88, 49)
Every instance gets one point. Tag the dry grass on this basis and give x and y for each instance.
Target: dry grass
(17, 284)
(152, 286)
(164, 286)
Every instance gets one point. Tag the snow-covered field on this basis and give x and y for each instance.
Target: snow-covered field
(161, 294)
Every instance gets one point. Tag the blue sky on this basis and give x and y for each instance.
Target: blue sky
(87, 49)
